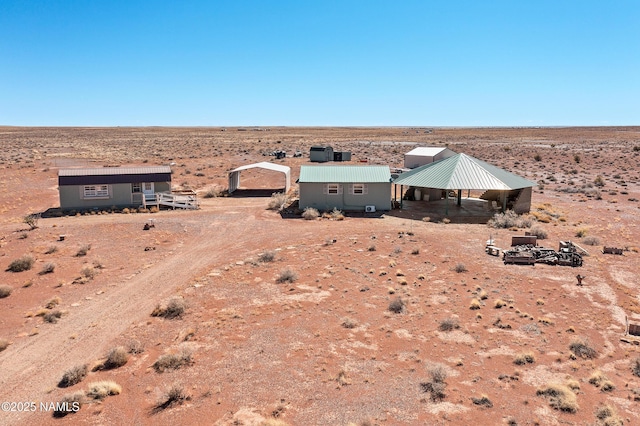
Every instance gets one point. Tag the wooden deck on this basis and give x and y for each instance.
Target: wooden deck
(175, 199)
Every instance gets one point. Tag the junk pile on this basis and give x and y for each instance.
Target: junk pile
(529, 254)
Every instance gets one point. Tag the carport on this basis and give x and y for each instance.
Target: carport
(234, 175)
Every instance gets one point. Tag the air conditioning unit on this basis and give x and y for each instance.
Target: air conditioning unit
(370, 209)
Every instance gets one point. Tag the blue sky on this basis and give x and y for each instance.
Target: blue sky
(324, 63)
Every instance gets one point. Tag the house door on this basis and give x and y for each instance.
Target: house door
(147, 190)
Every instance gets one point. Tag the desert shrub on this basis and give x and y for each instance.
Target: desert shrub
(396, 305)
(103, 389)
(608, 416)
(70, 403)
(537, 157)
(372, 247)
(310, 213)
(560, 397)
(51, 250)
(449, 324)
(4, 344)
(582, 232)
(415, 251)
(213, 192)
(173, 361)
(117, 357)
(599, 181)
(53, 302)
(483, 401)
(582, 349)
(576, 158)
(540, 233)
(499, 304)
(349, 323)
(475, 304)
(459, 268)
(175, 395)
(89, 272)
(83, 250)
(32, 220)
(267, 256)
(135, 347)
(48, 268)
(5, 291)
(278, 201)
(73, 376)
(591, 241)
(287, 276)
(21, 264)
(175, 308)
(52, 317)
(435, 385)
(524, 358)
(509, 219)
(635, 366)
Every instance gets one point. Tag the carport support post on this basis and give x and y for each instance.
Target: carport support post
(504, 201)
(459, 197)
(446, 205)
(401, 196)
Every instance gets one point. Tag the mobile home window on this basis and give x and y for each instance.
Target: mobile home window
(333, 188)
(136, 188)
(359, 189)
(96, 191)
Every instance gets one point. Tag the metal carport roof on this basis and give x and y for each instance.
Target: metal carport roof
(234, 175)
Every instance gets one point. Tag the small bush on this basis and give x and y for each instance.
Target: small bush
(582, 349)
(287, 276)
(22, 264)
(635, 366)
(336, 214)
(435, 386)
(278, 201)
(608, 416)
(509, 219)
(89, 272)
(267, 256)
(135, 347)
(48, 268)
(117, 357)
(540, 233)
(537, 157)
(52, 317)
(175, 308)
(5, 291)
(459, 268)
(32, 220)
(175, 396)
(499, 304)
(214, 192)
(524, 358)
(474, 305)
(82, 251)
(582, 232)
(70, 403)
(51, 250)
(349, 323)
(4, 344)
(396, 306)
(599, 181)
(482, 401)
(560, 397)
(591, 241)
(101, 390)
(73, 376)
(372, 247)
(576, 158)
(449, 324)
(173, 361)
(310, 213)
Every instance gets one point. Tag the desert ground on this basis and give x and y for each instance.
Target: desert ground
(234, 315)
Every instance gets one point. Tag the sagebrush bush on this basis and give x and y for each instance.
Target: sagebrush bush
(214, 192)
(48, 268)
(509, 219)
(52, 316)
(524, 358)
(396, 305)
(287, 276)
(173, 361)
(117, 357)
(21, 264)
(449, 324)
(483, 401)
(540, 233)
(582, 348)
(349, 323)
(267, 256)
(83, 250)
(175, 308)
(103, 389)
(310, 213)
(435, 385)
(278, 201)
(475, 304)
(5, 291)
(459, 268)
(70, 403)
(73, 376)
(560, 397)
(591, 241)
(175, 395)
(635, 366)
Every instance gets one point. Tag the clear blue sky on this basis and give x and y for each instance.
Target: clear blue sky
(326, 63)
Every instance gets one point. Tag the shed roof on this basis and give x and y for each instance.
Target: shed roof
(426, 151)
(462, 171)
(345, 174)
(110, 171)
(111, 175)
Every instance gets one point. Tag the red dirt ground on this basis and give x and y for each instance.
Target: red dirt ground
(324, 349)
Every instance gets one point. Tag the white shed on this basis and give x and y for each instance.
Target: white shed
(425, 155)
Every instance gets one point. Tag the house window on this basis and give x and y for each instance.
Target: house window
(333, 189)
(358, 189)
(136, 188)
(96, 191)
(148, 187)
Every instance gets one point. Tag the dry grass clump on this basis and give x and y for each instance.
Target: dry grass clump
(435, 386)
(334, 214)
(51, 250)
(509, 219)
(482, 401)
(524, 358)
(117, 357)
(540, 233)
(70, 403)
(349, 323)
(599, 380)
(103, 389)
(474, 305)
(608, 416)
(73, 376)
(89, 272)
(310, 213)
(83, 250)
(4, 344)
(174, 361)
(175, 308)
(582, 348)
(267, 256)
(635, 366)
(449, 324)
(396, 305)
(560, 397)
(175, 395)
(213, 192)
(48, 268)
(459, 268)
(278, 201)
(21, 264)
(5, 291)
(287, 276)
(135, 347)
(53, 316)
(582, 232)
(499, 304)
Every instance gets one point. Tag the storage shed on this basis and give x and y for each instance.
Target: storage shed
(86, 188)
(351, 188)
(425, 155)
(321, 154)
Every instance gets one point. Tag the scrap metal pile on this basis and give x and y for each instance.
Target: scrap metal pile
(528, 254)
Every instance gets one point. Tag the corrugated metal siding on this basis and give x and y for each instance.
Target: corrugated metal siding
(108, 171)
(345, 174)
(111, 179)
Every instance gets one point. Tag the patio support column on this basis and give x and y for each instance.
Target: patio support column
(446, 205)
(504, 201)
(459, 197)
(468, 193)
(401, 196)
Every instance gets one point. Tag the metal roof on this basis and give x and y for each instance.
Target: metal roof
(462, 171)
(426, 151)
(345, 174)
(264, 165)
(110, 171)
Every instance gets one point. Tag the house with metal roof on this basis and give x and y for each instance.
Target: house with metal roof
(349, 188)
(426, 155)
(460, 172)
(104, 187)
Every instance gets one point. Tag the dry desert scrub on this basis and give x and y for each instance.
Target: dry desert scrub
(560, 397)
(175, 395)
(509, 219)
(175, 308)
(435, 386)
(449, 324)
(278, 201)
(396, 305)
(524, 358)
(48, 268)
(474, 305)
(287, 276)
(101, 390)
(267, 256)
(117, 357)
(482, 401)
(608, 416)
(70, 403)
(5, 291)
(310, 213)
(582, 348)
(83, 250)
(173, 361)
(73, 376)
(21, 264)
(635, 366)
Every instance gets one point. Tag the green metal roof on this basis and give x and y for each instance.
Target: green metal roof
(462, 171)
(344, 174)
